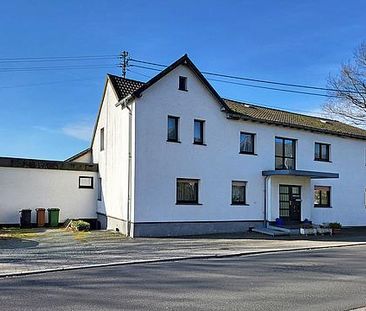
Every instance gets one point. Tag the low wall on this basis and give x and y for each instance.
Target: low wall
(30, 188)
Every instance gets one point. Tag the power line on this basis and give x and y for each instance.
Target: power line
(67, 67)
(251, 85)
(46, 83)
(57, 58)
(253, 103)
(271, 88)
(253, 79)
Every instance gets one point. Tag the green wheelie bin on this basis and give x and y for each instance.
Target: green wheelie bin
(53, 217)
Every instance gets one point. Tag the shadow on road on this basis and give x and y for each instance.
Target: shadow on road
(15, 243)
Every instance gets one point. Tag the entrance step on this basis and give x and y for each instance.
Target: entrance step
(269, 231)
(289, 231)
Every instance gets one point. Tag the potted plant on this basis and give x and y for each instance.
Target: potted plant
(335, 226)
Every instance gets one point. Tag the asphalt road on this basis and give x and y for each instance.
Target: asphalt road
(332, 279)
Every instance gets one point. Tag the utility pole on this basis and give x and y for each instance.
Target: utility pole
(124, 63)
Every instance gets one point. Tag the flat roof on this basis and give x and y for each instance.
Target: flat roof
(47, 164)
(300, 173)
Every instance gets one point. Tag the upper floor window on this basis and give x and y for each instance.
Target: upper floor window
(187, 191)
(322, 196)
(102, 139)
(182, 83)
(247, 143)
(198, 132)
(238, 192)
(285, 152)
(321, 152)
(173, 128)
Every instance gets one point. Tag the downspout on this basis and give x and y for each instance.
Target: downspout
(265, 201)
(129, 169)
(124, 104)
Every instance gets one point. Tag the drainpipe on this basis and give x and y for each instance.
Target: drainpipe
(129, 186)
(265, 201)
(124, 104)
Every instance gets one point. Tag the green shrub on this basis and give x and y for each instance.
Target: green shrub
(80, 225)
(335, 225)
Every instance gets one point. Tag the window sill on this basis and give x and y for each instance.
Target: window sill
(184, 203)
(239, 204)
(319, 206)
(248, 153)
(183, 90)
(199, 144)
(320, 160)
(173, 141)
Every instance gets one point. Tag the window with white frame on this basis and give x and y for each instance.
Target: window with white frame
(321, 196)
(187, 191)
(86, 182)
(238, 192)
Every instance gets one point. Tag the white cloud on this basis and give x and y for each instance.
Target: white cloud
(80, 130)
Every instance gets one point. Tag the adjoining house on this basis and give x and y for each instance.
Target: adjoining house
(175, 158)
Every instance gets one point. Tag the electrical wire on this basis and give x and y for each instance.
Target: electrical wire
(253, 80)
(251, 85)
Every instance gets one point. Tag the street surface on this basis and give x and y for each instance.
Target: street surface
(329, 279)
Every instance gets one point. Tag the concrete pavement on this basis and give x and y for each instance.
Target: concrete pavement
(58, 249)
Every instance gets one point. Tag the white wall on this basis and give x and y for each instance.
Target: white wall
(23, 188)
(84, 158)
(113, 161)
(159, 163)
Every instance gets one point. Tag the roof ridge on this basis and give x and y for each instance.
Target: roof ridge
(122, 78)
(281, 110)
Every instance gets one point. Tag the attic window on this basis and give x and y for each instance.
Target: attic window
(182, 83)
(325, 121)
(246, 106)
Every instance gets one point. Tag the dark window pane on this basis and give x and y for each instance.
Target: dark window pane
(238, 192)
(172, 128)
(279, 163)
(279, 147)
(187, 191)
(198, 131)
(289, 164)
(246, 143)
(289, 148)
(322, 196)
(183, 83)
(317, 151)
(325, 152)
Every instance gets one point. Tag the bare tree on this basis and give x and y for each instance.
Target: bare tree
(348, 101)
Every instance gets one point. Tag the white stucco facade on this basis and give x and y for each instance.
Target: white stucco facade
(31, 188)
(156, 163)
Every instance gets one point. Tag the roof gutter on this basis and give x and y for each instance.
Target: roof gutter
(124, 101)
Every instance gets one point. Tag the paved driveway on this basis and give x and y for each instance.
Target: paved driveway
(57, 249)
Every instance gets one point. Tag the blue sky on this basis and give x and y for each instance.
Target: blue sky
(50, 113)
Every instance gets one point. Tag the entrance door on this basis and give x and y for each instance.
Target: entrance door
(290, 202)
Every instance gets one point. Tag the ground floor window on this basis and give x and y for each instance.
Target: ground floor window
(187, 191)
(238, 192)
(86, 182)
(321, 196)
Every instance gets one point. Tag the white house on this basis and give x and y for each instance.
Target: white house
(174, 158)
